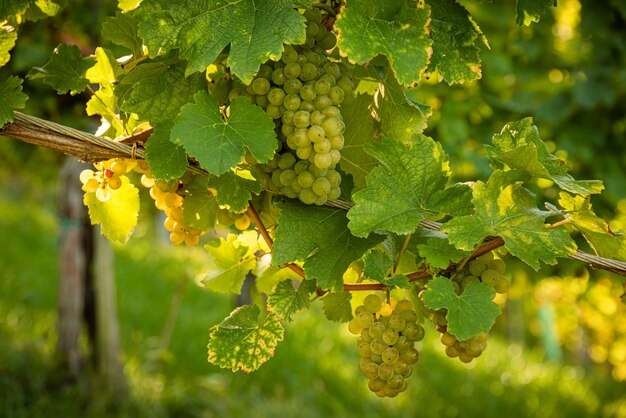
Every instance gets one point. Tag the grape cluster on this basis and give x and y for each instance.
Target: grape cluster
(466, 350)
(107, 177)
(166, 198)
(486, 269)
(302, 92)
(388, 333)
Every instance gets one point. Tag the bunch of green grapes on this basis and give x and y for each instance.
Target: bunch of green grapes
(486, 269)
(388, 333)
(107, 177)
(466, 350)
(303, 92)
(166, 198)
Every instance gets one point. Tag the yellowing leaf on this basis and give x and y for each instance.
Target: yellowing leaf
(118, 215)
(242, 341)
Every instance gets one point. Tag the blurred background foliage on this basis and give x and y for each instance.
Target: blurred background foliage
(559, 349)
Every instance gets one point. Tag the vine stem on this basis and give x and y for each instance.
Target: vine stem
(463, 262)
(396, 262)
(256, 219)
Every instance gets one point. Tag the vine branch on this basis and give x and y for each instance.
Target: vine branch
(89, 147)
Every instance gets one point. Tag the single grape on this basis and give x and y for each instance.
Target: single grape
(490, 277)
(292, 70)
(378, 346)
(448, 339)
(278, 77)
(337, 95)
(305, 179)
(292, 102)
(390, 355)
(260, 86)
(390, 336)
(308, 71)
(321, 186)
(354, 326)
(289, 55)
(322, 102)
(301, 119)
(322, 147)
(372, 303)
(307, 93)
(317, 118)
(377, 329)
(292, 86)
(276, 96)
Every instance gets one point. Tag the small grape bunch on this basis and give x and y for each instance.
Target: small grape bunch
(388, 333)
(486, 269)
(167, 198)
(107, 177)
(466, 350)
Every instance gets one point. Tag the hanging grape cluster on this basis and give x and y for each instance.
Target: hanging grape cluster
(303, 92)
(108, 177)
(485, 269)
(167, 197)
(388, 333)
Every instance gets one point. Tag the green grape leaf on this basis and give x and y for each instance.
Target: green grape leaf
(376, 265)
(269, 275)
(229, 264)
(242, 341)
(456, 200)
(454, 35)
(519, 146)
(319, 236)
(337, 306)
(8, 36)
(10, 8)
(122, 30)
(399, 191)
(234, 189)
(529, 11)
(11, 97)
(255, 31)
(400, 117)
(219, 144)
(166, 159)
(470, 313)
(506, 209)
(118, 215)
(439, 253)
(596, 231)
(160, 92)
(355, 161)
(396, 29)
(199, 207)
(66, 70)
(286, 300)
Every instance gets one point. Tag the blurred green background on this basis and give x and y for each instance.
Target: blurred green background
(559, 349)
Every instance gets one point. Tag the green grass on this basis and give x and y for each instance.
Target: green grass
(314, 372)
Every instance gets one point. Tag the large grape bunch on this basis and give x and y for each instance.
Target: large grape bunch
(388, 333)
(485, 269)
(303, 92)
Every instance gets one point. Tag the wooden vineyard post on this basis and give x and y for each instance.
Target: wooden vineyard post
(107, 323)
